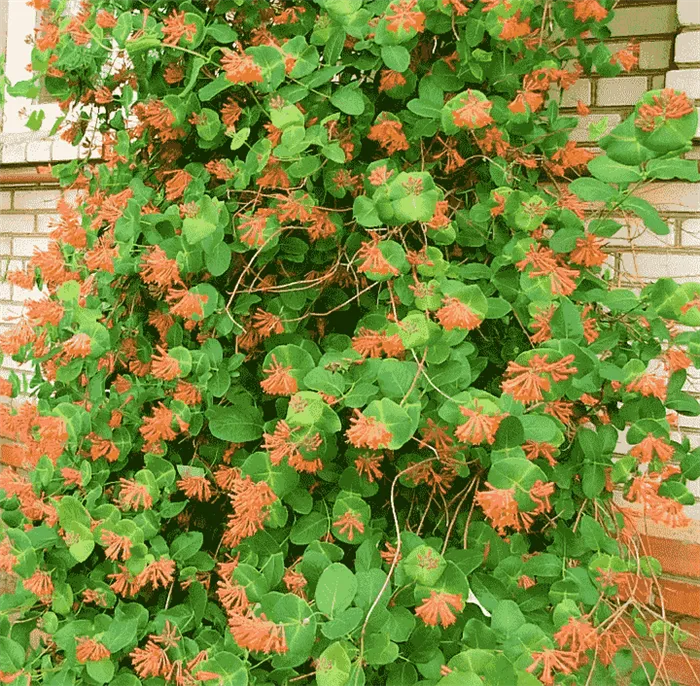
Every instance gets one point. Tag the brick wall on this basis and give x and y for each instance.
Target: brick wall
(26, 212)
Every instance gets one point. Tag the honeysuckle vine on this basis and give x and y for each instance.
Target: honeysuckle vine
(326, 348)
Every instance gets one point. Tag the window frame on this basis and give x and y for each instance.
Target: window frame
(17, 21)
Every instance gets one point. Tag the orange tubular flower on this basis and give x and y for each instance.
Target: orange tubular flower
(281, 444)
(587, 10)
(159, 573)
(644, 450)
(541, 324)
(368, 343)
(45, 311)
(367, 432)
(251, 503)
(40, 584)
(187, 393)
(105, 20)
(240, 68)
(627, 58)
(527, 383)
(588, 251)
(89, 650)
(77, 346)
(133, 496)
(163, 366)
(438, 609)
(404, 15)
(157, 427)
(266, 323)
(348, 523)
(553, 661)
(474, 113)
(648, 385)
(676, 359)
(177, 184)
(232, 597)
(454, 314)
(540, 493)
(12, 341)
(513, 27)
(174, 28)
(151, 661)
(389, 134)
(667, 105)
(389, 79)
(533, 450)
(479, 427)
(570, 157)
(578, 634)
(279, 381)
(185, 304)
(369, 466)
(500, 508)
(258, 634)
(295, 582)
(374, 260)
(117, 546)
(196, 487)
(158, 270)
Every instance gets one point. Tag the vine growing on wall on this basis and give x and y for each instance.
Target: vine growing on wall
(329, 372)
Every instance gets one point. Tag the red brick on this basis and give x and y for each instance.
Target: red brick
(693, 629)
(677, 557)
(681, 668)
(630, 584)
(12, 455)
(682, 597)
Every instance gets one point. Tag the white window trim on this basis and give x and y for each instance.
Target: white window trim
(21, 20)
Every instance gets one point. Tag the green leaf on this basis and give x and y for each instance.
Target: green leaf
(35, 120)
(310, 527)
(238, 423)
(642, 208)
(673, 168)
(396, 377)
(518, 473)
(186, 545)
(204, 223)
(677, 491)
(608, 170)
(230, 669)
(299, 628)
(424, 565)
(343, 623)
(395, 418)
(281, 478)
(101, 671)
(335, 589)
(208, 124)
(365, 212)
(11, 655)
(396, 57)
(592, 190)
(271, 63)
(212, 89)
(333, 666)
(348, 99)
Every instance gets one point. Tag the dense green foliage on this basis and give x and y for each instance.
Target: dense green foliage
(328, 341)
